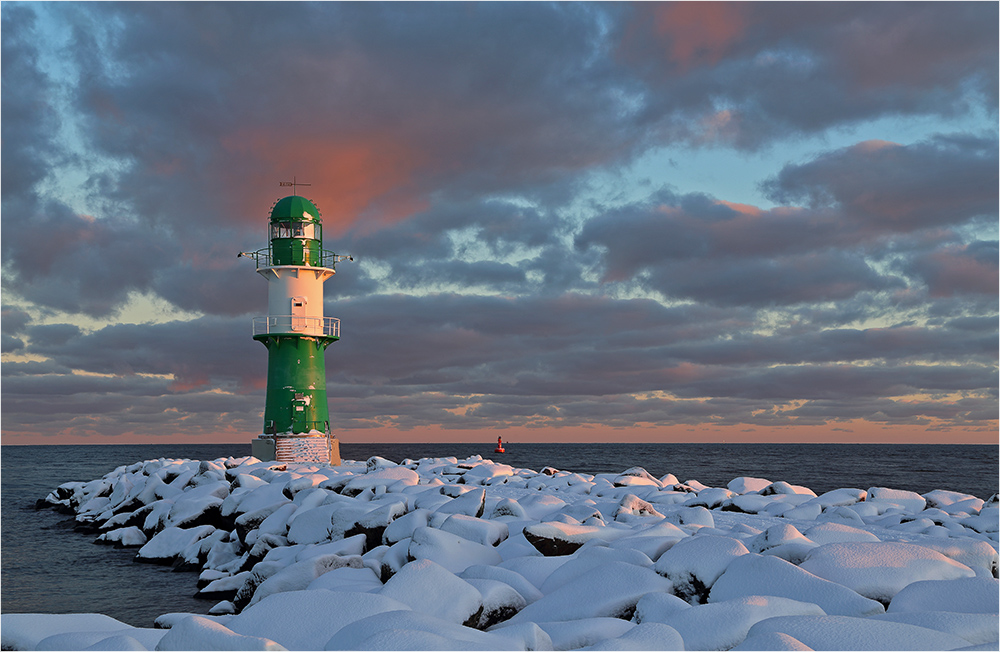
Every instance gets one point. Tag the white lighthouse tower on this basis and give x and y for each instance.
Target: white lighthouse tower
(296, 333)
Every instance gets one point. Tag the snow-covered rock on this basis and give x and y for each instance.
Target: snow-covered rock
(967, 595)
(199, 633)
(556, 539)
(486, 532)
(381, 555)
(515, 580)
(612, 590)
(428, 587)
(126, 537)
(880, 570)
(847, 633)
(896, 498)
(499, 602)
(746, 485)
(694, 564)
(976, 628)
(576, 634)
(409, 630)
(722, 625)
(380, 477)
(647, 636)
(74, 631)
(751, 575)
(298, 576)
(170, 543)
(356, 580)
(449, 550)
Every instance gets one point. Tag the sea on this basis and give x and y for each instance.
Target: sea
(48, 567)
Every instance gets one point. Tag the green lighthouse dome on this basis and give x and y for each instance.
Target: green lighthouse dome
(295, 209)
(296, 233)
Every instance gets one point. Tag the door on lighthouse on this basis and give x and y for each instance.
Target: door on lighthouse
(299, 421)
(299, 313)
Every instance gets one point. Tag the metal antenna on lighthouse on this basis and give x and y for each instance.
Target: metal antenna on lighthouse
(293, 183)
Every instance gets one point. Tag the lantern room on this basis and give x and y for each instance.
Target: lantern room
(296, 233)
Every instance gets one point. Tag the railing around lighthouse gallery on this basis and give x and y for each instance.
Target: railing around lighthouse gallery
(296, 325)
(302, 256)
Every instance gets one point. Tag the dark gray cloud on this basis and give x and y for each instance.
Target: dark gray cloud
(745, 73)
(888, 187)
(958, 269)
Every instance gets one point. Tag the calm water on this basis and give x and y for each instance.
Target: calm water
(48, 567)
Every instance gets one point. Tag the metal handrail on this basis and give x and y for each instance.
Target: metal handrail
(327, 258)
(296, 325)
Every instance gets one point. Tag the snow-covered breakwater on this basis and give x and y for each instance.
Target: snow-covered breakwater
(449, 554)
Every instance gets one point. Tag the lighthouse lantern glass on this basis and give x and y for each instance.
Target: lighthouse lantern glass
(304, 230)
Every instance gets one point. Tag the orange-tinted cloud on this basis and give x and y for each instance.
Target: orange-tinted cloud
(745, 209)
(367, 178)
(699, 33)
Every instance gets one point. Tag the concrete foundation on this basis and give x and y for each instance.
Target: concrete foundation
(317, 449)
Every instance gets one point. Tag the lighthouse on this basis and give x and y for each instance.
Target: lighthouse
(296, 333)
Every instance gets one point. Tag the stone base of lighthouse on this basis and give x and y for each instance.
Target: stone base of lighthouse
(313, 447)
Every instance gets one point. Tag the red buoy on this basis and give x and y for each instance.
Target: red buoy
(499, 448)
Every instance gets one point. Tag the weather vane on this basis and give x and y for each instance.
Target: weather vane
(292, 183)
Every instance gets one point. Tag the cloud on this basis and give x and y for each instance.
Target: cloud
(887, 187)
(761, 71)
(696, 249)
(959, 269)
(460, 153)
(30, 120)
(66, 261)
(467, 362)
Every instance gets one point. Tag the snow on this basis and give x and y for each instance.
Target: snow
(450, 550)
(76, 631)
(171, 542)
(880, 570)
(970, 595)
(575, 634)
(759, 575)
(647, 636)
(977, 629)
(306, 620)
(695, 563)
(721, 625)
(407, 630)
(442, 553)
(431, 589)
(847, 633)
(611, 590)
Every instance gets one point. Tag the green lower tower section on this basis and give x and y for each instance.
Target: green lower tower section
(296, 384)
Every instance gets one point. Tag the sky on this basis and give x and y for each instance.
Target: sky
(570, 222)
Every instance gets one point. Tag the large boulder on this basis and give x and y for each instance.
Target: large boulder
(430, 588)
(451, 551)
(880, 570)
(694, 564)
(402, 630)
(612, 591)
(169, 543)
(967, 595)
(305, 620)
(556, 539)
(752, 574)
(847, 633)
